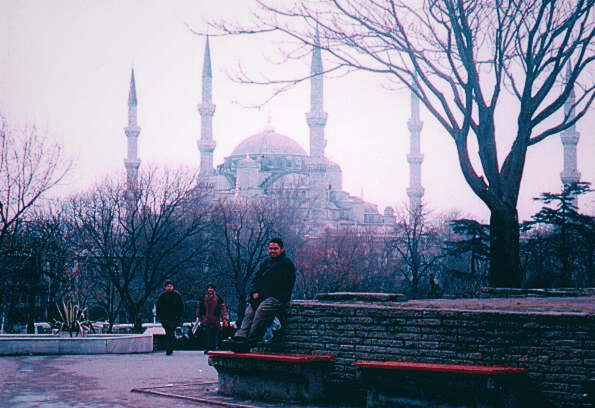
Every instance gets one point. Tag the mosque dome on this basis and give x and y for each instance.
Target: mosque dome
(268, 143)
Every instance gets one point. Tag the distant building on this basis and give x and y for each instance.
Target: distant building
(270, 164)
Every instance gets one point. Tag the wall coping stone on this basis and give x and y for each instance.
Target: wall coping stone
(40, 344)
(360, 297)
(528, 293)
(579, 306)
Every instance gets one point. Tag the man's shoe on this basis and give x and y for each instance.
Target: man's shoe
(240, 347)
(169, 352)
(243, 348)
(226, 344)
(236, 344)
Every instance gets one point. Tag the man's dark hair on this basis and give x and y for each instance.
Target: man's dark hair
(211, 285)
(277, 241)
(168, 282)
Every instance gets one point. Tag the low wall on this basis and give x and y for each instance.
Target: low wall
(30, 344)
(556, 344)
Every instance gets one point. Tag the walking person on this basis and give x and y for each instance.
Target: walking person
(170, 309)
(269, 295)
(211, 312)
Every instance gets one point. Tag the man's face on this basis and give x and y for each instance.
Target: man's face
(275, 250)
(211, 291)
(169, 287)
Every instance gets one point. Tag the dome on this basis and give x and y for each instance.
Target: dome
(268, 143)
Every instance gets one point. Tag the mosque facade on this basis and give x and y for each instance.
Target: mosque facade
(269, 164)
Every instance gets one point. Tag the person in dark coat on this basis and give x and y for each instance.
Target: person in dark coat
(170, 309)
(211, 312)
(269, 295)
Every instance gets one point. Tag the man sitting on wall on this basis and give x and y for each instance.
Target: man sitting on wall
(270, 293)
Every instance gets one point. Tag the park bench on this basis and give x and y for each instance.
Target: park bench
(409, 384)
(268, 376)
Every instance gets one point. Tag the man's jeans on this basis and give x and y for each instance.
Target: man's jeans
(170, 338)
(257, 321)
(212, 335)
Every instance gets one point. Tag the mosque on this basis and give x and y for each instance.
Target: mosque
(269, 164)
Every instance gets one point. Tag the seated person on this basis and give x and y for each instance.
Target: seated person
(270, 293)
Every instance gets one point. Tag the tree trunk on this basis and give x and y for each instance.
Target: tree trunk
(505, 271)
(34, 276)
(138, 323)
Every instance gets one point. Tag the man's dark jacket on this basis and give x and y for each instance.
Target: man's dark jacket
(275, 278)
(170, 308)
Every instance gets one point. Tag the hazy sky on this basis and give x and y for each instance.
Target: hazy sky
(65, 66)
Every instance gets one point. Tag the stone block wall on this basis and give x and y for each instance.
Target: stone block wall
(557, 348)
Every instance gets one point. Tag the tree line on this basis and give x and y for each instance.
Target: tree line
(466, 61)
(477, 66)
(110, 248)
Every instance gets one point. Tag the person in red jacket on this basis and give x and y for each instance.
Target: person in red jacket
(211, 312)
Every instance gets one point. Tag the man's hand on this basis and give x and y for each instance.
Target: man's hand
(254, 300)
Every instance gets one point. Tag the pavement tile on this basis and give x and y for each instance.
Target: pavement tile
(206, 393)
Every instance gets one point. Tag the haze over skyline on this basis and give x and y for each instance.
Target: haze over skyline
(66, 67)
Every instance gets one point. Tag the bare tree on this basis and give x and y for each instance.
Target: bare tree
(242, 229)
(138, 239)
(345, 259)
(40, 252)
(94, 218)
(31, 164)
(465, 59)
(417, 245)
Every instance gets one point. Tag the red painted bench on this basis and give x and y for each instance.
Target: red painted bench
(269, 376)
(390, 383)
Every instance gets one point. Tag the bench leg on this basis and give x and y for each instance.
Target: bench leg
(426, 395)
(304, 387)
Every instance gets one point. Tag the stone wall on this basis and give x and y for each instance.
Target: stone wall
(558, 348)
(49, 344)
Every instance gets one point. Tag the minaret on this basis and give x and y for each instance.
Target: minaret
(132, 162)
(206, 144)
(415, 158)
(316, 117)
(570, 139)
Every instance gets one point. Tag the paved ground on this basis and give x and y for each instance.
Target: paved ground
(99, 381)
(183, 380)
(150, 380)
